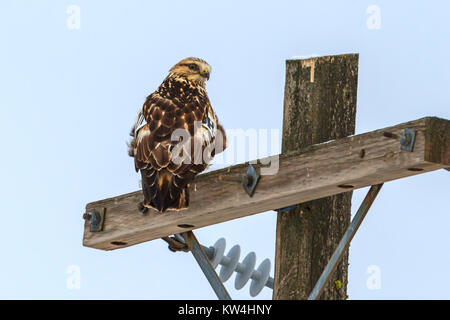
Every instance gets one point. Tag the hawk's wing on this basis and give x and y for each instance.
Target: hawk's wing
(154, 149)
(159, 119)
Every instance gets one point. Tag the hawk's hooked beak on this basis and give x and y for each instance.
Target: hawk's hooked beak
(205, 73)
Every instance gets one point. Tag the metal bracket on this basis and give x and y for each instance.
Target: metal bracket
(284, 209)
(176, 244)
(407, 139)
(95, 218)
(250, 180)
(206, 266)
(345, 241)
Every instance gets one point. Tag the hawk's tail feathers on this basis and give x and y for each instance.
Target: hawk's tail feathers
(161, 191)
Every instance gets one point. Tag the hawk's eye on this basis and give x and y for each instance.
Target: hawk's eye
(194, 67)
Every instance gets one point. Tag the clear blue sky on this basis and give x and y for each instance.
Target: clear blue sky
(69, 97)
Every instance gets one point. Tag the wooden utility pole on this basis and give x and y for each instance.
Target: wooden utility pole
(319, 105)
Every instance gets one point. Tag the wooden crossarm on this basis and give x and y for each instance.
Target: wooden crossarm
(315, 172)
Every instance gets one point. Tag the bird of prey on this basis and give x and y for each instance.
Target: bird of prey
(175, 136)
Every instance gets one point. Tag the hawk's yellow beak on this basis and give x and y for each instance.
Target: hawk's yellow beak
(205, 73)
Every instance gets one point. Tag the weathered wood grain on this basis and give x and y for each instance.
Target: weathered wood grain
(313, 173)
(316, 109)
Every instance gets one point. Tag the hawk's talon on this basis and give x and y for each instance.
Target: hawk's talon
(142, 209)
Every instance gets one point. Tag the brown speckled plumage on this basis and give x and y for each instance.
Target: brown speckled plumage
(180, 102)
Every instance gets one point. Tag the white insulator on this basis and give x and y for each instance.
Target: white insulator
(229, 263)
(219, 250)
(260, 277)
(244, 270)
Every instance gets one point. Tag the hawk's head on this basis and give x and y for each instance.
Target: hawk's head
(193, 69)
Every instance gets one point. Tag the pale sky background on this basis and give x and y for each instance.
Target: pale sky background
(69, 97)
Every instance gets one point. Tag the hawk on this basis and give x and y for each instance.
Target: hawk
(175, 136)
